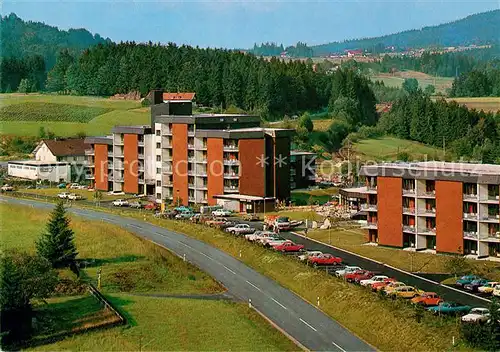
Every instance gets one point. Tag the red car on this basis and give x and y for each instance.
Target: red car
(384, 283)
(358, 275)
(151, 206)
(324, 259)
(427, 299)
(289, 246)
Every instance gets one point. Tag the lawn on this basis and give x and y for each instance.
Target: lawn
(320, 196)
(89, 115)
(132, 266)
(387, 149)
(485, 103)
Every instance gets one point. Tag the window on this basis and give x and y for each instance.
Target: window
(158, 132)
(158, 170)
(158, 158)
(158, 183)
(158, 145)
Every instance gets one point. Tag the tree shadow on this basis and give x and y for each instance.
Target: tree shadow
(119, 303)
(93, 262)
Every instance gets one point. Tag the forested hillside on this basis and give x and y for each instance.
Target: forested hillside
(272, 49)
(21, 39)
(219, 77)
(477, 83)
(482, 28)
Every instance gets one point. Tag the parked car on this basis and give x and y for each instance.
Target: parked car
(289, 246)
(136, 205)
(224, 225)
(120, 203)
(405, 292)
(324, 259)
(7, 188)
(183, 208)
(309, 254)
(467, 279)
(240, 229)
(63, 195)
(477, 315)
(427, 299)
(372, 280)
(391, 286)
(496, 291)
(74, 196)
(351, 277)
(449, 308)
(61, 185)
(257, 235)
(347, 270)
(221, 212)
(151, 206)
(215, 222)
(362, 276)
(474, 285)
(272, 241)
(383, 283)
(184, 215)
(488, 288)
(251, 217)
(74, 186)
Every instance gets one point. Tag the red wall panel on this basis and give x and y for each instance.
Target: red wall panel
(390, 210)
(449, 228)
(130, 163)
(215, 168)
(252, 172)
(101, 166)
(179, 161)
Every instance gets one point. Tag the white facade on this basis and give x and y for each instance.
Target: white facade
(40, 170)
(43, 153)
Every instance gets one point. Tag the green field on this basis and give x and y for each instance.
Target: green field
(440, 83)
(135, 275)
(67, 115)
(484, 103)
(387, 149)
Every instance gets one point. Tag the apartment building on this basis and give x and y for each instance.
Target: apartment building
(184, 158)
(434, 206)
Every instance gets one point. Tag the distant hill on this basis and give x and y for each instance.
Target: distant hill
(26, 38)
(481, 28)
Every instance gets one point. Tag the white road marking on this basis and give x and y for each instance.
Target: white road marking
(305, 322)
(248, 282)
(340, 348)
(208, 257)
(136, 226)
(187, 245)
(229, 269)
(278, 303)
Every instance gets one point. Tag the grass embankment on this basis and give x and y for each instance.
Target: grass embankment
(387, 149)
(383, 323)
(315, 195)
(23, 115)
(483, 103)
(354, 240)
(132, 267)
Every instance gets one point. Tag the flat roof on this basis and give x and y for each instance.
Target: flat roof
(38, 163)
(238, 196)
(137, 129)
(477, 169)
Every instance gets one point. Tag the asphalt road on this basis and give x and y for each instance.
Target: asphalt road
(301, 320)
(447, 293)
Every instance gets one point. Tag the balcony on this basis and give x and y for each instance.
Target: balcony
(470, 216)
(231, 162)
(430, 194)
(470, 196)
(369, 207)
(202, 186)
(118, 141)
(140, 156)
(191, 185)
(191, 173)
(89, 177)
(191, 159)
(491, 199)
(202, 173)
(409, 228)
(140, 167)
(427, 212)
(141, 180)
(370, 225)
(409, 192)
(110, 154)
(232, 189)
(91, 164)
(166, 132)
(203, 147)
(410, 211)
(231, 148)
(140, 143)
(192, 199)
(490, 218)
(118, 179)
(190, 133)
(118, 166)
(89, 152)
(190, 146)
(470, 235)
(427, 231)
(201, 161)
(231, 175)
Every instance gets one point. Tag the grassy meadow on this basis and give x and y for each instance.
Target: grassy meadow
(24, 114)
(396, 80)
(132, 269)
(484, 103)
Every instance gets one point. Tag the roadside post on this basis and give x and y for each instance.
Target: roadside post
(184, 257)
(318, 301)
(249, 303)
(99, 278)
(240, 253)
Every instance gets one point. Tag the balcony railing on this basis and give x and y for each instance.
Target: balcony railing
(230, 148)
(140, 143)
(201, 161)
(427, 231)
(190, 146)
(409, 210)
(428, 194)
(470, 196)
(231, 175)
(470, 234)
(409, 191)
(430, 212)
(231, 162)
(118, 166)
(191, 185)
(230, 189)
(192, 199)
(369, 207)
(470, 216)
(490, 217)
(371, 225)
(89, 152)
(409, 228)
(166, 132)
(89, 177)
(191, 133)
(140, 156)
(110, 154)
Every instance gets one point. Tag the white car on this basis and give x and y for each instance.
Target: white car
(63, 195)
(309, 254)
(376, 278)
(221, 212)
(74, 186)
(496, 291)
(257, 235)
(477, 315)
(7, 188)
(488, 288)
(74, 196)
(120, 203)
(273, 241)
(348, 269)
(240, 229)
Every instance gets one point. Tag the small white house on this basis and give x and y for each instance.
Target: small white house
(40, 170)
(71, 150)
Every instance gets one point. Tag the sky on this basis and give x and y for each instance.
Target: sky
(240, 24)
